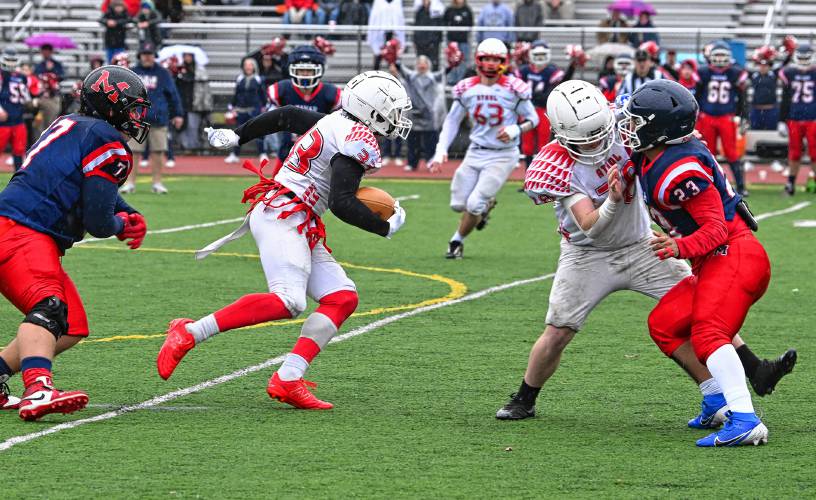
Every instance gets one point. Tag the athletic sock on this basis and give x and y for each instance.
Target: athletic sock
(34, 368)
(204, 328)
(18, 162)
(724, 364)
(251, 309)
(297, 362)
(710, 387)
(792, 180)
(527, 393)
(457, 237)
(750, 362)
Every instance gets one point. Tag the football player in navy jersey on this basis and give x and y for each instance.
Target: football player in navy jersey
(722, 100)
(706, 222)
(14, 95)
(66, 186)
(798, 112)
(304, 88)
(542, 76)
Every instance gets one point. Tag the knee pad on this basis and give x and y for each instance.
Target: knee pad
(338, 306)
(50, 313)
(476, 204)
(457, 207)
(662, 336)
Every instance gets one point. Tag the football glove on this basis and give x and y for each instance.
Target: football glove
(396, 221)
(135, 229)
(222, 138)
(512, 131)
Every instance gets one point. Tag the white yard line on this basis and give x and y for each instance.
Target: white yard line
(791, 209)
(159, 400)
(804, 223)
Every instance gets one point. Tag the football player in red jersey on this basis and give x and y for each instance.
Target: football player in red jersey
(707, 222)
(67, 186)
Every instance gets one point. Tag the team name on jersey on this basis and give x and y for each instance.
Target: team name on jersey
(151, 82)
(484, 97)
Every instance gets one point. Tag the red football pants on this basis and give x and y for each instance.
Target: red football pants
(30, 271)
(799, 131)
(710, 307)
(534, 140)
(19, 138)
(712, 127)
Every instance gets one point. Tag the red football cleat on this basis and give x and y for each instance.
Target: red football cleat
(295, 393)
(178, 342)
(41, 399)
(7, 401)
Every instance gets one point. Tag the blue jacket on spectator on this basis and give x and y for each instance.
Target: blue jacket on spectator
(496, 15)
(250, 93)
(162, 93)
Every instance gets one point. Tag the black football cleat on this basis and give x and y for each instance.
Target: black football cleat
(486, 216)
(515, 409)
(790, 189)
(769, 373)
(456, 250)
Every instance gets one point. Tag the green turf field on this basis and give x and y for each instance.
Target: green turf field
(414, 399)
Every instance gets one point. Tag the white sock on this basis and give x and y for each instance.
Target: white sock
(710, 387)
(724, 364)
(457, 237)
(293, 368)
(204, 328)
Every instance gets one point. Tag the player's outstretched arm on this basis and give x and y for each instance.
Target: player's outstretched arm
(527, 111)
(450, 128)
(343, 202)
(286, 119)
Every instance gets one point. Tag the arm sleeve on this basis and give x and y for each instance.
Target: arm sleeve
(707, 211)
(784, 106)
(99, 198)
(122, 206)
(451, 125)
(343, 202)
(285, 119)
(568, 73)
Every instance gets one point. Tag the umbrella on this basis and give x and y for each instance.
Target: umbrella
(631, 7)
(177, 51)
(600, 52)
(54, 39)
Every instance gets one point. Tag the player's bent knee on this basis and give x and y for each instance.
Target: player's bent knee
(338, 306)
(706, 342)
(665, 340)
(476, 206)
(295, 305)
(457, 207)
(50, 313)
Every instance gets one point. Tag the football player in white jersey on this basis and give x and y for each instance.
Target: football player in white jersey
(605, 247)
(323, 171)
(494, 102)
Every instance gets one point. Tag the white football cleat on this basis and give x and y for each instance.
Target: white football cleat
(128, 188)
(159, 188)
(232, 158)
(170, 163)
(143, 163)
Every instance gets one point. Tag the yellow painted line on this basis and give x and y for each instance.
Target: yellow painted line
(457, 290)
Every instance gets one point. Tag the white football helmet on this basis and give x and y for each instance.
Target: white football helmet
(582, 121)
(491, 47)
(380, 102)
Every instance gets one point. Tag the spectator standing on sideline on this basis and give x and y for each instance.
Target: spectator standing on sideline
(687, 75)
(559, 9)
(425, 89)
(764, 108)
(303, 12)
(428, 13)
(644, 21)
(148, 24)
(50, 73)
(459, 15)
(528, 14)
(166, 109)
(115, 21)
(385, 13)
(496, 15)
(247, 102)
(196, 99)
(615, 20)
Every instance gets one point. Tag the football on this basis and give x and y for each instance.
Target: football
(380, 202)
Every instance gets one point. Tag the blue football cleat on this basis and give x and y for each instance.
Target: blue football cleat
(741, 429)
(712, 412)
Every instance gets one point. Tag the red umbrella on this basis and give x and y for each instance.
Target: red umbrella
(54, 39)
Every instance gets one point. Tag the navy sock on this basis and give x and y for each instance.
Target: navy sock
(18, 162)
(35, 362)
(4, 369)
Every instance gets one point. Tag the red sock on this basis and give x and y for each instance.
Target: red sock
(251, 309)
(306, 348)
(30, 376)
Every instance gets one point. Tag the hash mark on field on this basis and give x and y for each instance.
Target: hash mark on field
(158, 400)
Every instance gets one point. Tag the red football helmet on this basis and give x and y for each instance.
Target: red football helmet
(496, 51)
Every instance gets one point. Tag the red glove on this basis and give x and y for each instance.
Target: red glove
(790, 43)
(391, 51)
(324, 46)
(134, 229)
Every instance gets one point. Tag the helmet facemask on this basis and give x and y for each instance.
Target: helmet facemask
(720, 58)
(592, 148)
(803, 59)
(622, 66)
(306, 75)
(540, 56)
(628, 127)
(393, 124)
(491, 69)
(135, 126)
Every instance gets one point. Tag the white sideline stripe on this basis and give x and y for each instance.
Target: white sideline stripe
(158, 400)
(804, 223)
(794, 208)
(110, 406)
(210, 224)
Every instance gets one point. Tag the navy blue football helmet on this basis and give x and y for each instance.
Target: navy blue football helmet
(803, 57)
(659, 112)
(720, 54)
(306, 65)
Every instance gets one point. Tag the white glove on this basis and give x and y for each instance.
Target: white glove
(396, 221)
(222, 138)
(512, 131)
(782, 128)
